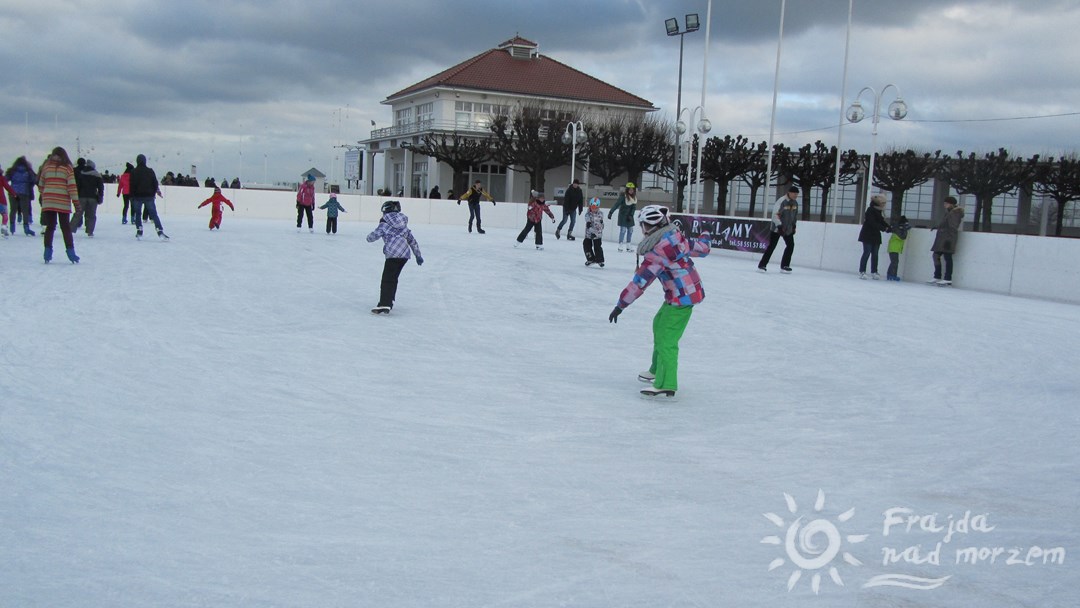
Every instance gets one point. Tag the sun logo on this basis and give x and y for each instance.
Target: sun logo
(812, 545)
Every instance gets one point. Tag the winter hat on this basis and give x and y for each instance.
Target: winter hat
(878, 200)
(793, 189)
(91, 164)
(630, 185)
(594, 202)
(536, 194)
(310, 177)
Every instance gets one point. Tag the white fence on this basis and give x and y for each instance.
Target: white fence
(1028, 266)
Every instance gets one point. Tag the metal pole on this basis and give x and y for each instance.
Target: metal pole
(772, 122)
(704, 79)
(678, 109)
(840, 126)
(873, 147)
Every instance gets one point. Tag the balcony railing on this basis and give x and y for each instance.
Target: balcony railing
(423, 126)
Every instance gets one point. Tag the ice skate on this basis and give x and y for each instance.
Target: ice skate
(862, 275)
(138, 233)
(876, 276)
(646, 376)
(161, 235)
(71, 256)
(933, 281)
(539, 247)
(380, 310)
(558, 234)
(657, 392)
(570, 237)
(4, 231)
(48, 254)
(785, 270)
(944, 283)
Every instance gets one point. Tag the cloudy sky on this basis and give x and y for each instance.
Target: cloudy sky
(266, 89)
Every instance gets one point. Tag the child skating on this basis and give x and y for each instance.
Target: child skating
(332, 207)
(398, 242)
(665, 255)
(533, 216)
(216, 200)
(593, 243)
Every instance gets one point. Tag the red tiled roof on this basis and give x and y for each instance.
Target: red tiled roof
(498, 71)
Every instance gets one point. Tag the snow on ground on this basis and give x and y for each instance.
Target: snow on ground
(219, 421)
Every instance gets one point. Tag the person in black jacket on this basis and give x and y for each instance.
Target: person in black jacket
(870, 236)
(144, 186)
(572, 205)
(91, 192)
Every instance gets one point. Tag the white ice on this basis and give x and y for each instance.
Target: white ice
(219, 421)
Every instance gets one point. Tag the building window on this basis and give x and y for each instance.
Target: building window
(403, 117)
(475, 115)
(425, 112)
(419, 181)
(399, 178)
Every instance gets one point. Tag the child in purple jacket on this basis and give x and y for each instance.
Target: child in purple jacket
(398, 241)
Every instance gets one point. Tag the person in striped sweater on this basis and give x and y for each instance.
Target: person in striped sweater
(56, 183)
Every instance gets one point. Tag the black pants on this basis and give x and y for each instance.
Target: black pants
(594, 250)
(948, 265)
(300, 210)
(390, 273)
(331, 225)
(535, 226)
(474, 212)
(127, 203)
(789, 248)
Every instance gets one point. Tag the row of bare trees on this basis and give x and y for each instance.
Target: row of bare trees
(531, 141)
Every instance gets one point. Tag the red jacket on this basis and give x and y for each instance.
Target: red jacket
(217, 199)
(536, 211)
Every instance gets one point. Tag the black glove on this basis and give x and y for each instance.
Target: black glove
(419, 261)
(459, 202)
(614, 316)
(609, 216)
(492, 203)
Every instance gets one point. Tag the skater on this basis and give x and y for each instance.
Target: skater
(5, 186)
(23, 179)
(533, 216)
(144, 187)
(665, 255)
(948, 231)
(91, 194)
(572, 206)
(870, 235)
(332, 207)
(593, 243)
(473, 195)
(216, 199)
(785, 216)
(398, 241)
(305, 203)
(626, 205)
(56, 182)
(123, 188)
(896, 247)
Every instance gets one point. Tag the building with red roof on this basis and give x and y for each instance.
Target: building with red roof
(466, 97)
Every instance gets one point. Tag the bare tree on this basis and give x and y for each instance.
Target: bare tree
(457, 150)
(992, 175)
(756, 175)
(897, 171)
(530, 141)
(627, 144)
(723, 160)
(1060, 180)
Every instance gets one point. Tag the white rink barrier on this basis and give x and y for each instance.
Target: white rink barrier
(1018, 265)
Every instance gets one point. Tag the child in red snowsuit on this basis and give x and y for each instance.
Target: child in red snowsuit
(215, 215)
(536, 210)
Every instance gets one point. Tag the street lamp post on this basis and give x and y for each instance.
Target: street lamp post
(855, 113)
(574, 135)
(703, 126)
(672, 26)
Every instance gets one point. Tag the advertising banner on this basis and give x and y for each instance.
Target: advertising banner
(735, 233)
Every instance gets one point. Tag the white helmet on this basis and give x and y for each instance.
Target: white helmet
(653, 216)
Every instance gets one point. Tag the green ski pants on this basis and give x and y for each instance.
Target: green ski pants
(668, 327)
